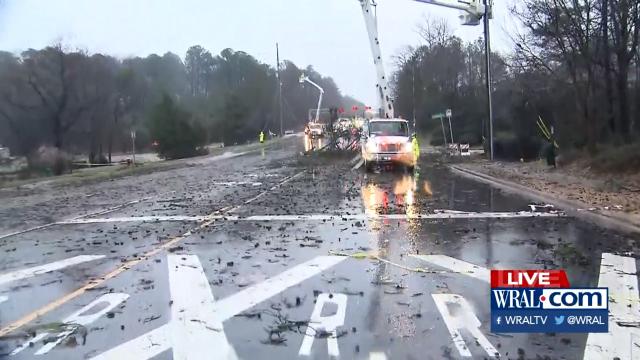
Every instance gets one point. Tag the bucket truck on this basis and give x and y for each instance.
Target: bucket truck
(316, 129)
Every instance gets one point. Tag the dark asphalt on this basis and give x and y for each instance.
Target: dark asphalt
(390, 310)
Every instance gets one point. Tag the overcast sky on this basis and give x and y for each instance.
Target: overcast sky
(328, 34)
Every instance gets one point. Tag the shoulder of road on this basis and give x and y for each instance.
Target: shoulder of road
(616, 207)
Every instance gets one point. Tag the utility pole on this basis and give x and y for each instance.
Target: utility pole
(413, 92)
(279, 88)
(487, 50)
(448, 113)
(133, 145)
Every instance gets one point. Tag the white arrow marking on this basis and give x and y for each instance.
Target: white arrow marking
(459, 266)
(328, 324)
(462, 317)
(42, 269)
(158, 340)
(80, 318)
(618, 273)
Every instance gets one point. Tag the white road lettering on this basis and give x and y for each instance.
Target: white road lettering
(42, 269)
(618, 273)
(462, 318)
(459, 266)
(195, 329)
(328, 324)
(81, 317)
(160, 339)
(248, 298)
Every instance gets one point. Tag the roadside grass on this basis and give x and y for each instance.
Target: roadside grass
(118, 171)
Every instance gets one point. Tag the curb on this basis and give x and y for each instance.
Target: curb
(610, 221)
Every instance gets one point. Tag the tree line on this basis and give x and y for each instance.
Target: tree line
(576, 65)
(90, 103)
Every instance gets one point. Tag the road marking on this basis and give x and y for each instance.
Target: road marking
(618, 273)
(110, 275)
(328, 324)
(358, 164)
(42, 269)
(248, 298)
(195, 329)
(377, 356)
(237, 183)
(462, 317)
(160, 339)
(3, 299)
(95, 213)
(145, 346)
(112, 300)
(286, 180)
(443, 214)
(26, 230)
(138, 219)
(458, 266)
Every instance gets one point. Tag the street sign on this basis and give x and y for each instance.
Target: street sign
(449, 113)
(437, 116)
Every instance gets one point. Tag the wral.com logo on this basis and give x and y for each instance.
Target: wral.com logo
(541, 301)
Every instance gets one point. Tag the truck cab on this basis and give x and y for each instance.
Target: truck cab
(316, 130)
(387, 141)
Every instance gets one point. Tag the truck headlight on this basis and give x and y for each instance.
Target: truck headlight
(407, 147)
(371, 147)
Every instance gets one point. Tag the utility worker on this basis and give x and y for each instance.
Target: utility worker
(416, 147)
(261, 137)
(551, 150)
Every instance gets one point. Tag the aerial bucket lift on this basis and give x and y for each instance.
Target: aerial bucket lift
(472, 13)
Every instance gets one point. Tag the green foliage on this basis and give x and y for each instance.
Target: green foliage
(232, 119)
(177, 134)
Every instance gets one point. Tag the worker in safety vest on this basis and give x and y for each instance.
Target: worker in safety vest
(415, 146)
(261, 137)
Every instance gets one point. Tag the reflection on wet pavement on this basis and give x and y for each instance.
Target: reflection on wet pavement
(313, 143)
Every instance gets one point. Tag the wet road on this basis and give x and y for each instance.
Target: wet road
(271, 255)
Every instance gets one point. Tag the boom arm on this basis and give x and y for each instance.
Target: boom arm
(382, 85)
(304, 78)
(473, 11)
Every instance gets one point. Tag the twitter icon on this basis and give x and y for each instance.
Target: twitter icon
(559, 319)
